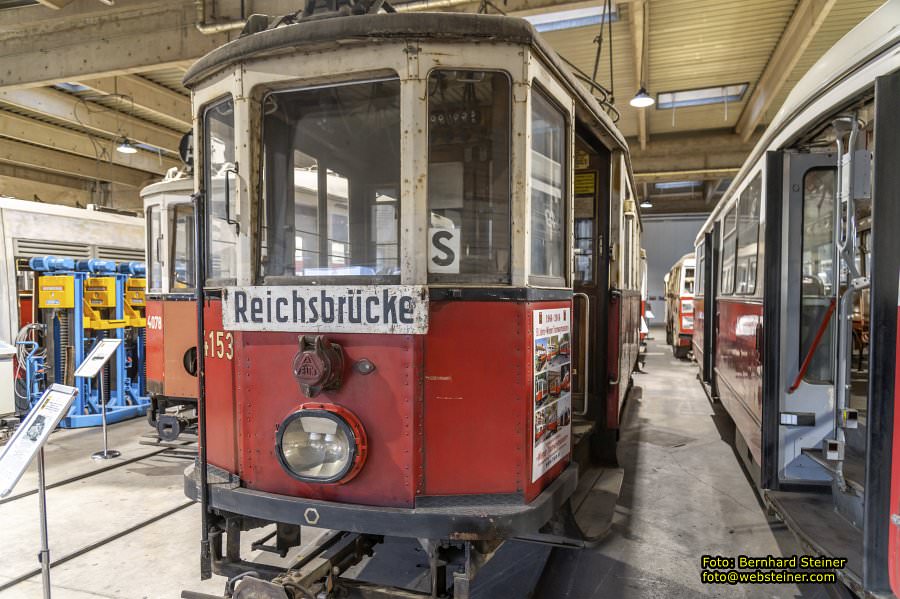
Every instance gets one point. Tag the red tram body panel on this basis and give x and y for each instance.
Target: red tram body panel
(738, 367)
(446, 413)
(171, 335)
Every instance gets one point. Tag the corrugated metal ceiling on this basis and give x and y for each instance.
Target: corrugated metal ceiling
(701, 43)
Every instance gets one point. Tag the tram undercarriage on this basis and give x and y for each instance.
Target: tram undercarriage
(580, 508)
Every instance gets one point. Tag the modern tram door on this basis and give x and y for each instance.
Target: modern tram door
(591, 288)
(806, 343)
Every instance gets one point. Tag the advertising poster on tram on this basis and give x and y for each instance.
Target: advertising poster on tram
(552, 389)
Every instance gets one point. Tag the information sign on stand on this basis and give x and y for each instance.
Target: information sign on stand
(90, 367)
(20, 450)
(32, 433)
(97, 359)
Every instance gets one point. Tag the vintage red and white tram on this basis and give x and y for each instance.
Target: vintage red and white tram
(171, 304)
(390, 272)
(797, 307)
(680, 306)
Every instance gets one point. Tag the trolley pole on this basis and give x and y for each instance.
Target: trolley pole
(106, 454)
(44, 555)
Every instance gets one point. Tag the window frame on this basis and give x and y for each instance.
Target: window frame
(171, 215)
(440, 279)
(260, 200)
(537, 280)
(755, 180)
(828, 340)
(728, 236)
(206, 182)
(153, 246)
(699, 269)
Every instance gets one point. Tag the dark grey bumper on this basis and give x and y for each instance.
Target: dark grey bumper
(459, 518)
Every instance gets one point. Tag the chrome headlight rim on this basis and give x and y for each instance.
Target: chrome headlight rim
(346, 422)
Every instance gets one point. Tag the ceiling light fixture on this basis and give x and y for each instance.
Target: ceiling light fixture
(126, 147)
(642, 99)
(646, 203)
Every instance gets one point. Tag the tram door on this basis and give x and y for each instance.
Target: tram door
(806, 342)
(709, 286)
(591, 266)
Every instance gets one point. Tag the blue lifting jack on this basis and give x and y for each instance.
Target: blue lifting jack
(80, 303)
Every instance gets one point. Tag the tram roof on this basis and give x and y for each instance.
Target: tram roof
(320, 34)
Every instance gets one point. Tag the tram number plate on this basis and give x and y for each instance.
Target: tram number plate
(219, 344)
(392, 309)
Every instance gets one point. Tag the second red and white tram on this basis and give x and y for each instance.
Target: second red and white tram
(797, 307)
(412, 324)
(171, 305)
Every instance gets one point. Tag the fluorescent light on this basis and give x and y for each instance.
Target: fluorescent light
(126, 147)
(642, 99)
(646, 203)
(702, 96)
(674, 185)
(71, 87)
(571, 19)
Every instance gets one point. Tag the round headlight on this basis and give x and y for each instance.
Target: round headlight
(321, 444)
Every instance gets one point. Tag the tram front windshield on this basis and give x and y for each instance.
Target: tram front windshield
(331, 183)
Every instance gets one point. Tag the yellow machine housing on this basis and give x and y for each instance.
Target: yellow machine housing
(100, 304)
(135, 302)
(56, 291)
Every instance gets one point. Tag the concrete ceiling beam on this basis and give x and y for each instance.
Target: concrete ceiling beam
(15, 171)
(66, 140)
(707, 174)
(84, 115)
(799, 32)
(114, 43)
(145, 94)
(55, 161)
(715, 149)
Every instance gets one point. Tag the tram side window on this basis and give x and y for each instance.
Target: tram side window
(219, 174)
(817, 271)
(154, 247)
(331, 183)
(627, 266)
(729, 243)
(584, 245)
(701, 271)
(548, 191)
(748, 236)
(181, 266)
(468, 176)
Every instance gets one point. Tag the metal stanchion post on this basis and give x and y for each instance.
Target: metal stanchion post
(44, 555)
(106, 454)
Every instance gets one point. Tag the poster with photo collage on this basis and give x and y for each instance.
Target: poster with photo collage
(552, 399)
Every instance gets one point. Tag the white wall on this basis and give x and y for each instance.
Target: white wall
(666, 239)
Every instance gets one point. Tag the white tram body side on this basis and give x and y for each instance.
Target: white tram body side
(808, 399)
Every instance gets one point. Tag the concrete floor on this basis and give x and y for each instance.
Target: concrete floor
(684, 495)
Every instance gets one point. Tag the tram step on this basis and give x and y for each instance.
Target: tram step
(587, 517)
(854, 466)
